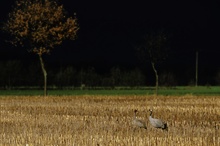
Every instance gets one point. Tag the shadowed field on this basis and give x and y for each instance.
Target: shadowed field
(107, 120)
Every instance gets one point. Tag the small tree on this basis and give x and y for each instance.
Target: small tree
(154, 48)
(40, 25)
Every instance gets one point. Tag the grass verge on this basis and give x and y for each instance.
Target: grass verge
(201, 90)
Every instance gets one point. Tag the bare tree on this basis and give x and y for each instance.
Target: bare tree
(154, 49)
(40, 25)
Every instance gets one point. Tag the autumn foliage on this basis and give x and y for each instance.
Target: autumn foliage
(40, 25)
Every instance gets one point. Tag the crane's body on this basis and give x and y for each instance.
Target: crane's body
(157, 123)
(138, 122)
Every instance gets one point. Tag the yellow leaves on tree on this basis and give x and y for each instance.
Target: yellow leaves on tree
(39, 25)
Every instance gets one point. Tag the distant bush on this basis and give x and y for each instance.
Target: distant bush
(167, 79)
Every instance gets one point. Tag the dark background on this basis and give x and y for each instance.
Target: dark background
(109, 32)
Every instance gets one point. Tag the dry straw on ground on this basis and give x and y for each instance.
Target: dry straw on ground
(106, 120)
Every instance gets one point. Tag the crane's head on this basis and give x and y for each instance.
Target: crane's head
(150, 110)
(135, 110)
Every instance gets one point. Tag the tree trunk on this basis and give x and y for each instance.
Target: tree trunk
(45, 74)
(157, 77)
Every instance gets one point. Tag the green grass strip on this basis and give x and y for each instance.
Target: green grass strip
(201, 90)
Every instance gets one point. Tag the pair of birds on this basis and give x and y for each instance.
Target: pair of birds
(157, 123)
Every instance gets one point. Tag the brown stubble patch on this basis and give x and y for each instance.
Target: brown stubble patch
(106, 120)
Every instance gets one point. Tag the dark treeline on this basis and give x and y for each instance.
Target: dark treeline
(16, 74)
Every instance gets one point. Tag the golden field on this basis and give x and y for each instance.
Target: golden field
(107, 120)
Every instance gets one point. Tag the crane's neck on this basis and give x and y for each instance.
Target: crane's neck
(150, 113)
(135, 115)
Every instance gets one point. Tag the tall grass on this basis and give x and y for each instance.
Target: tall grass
(107, 120)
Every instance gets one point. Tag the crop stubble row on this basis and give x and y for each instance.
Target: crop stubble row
(106, 120)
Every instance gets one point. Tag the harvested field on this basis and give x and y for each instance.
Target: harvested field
(107, 120)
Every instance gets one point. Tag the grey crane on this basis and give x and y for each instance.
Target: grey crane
(157, 123)
(138, 122)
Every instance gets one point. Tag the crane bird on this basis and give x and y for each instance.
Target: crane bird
(138, 122)
(157, 123)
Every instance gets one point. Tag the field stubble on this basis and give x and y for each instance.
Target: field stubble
(107, 120)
